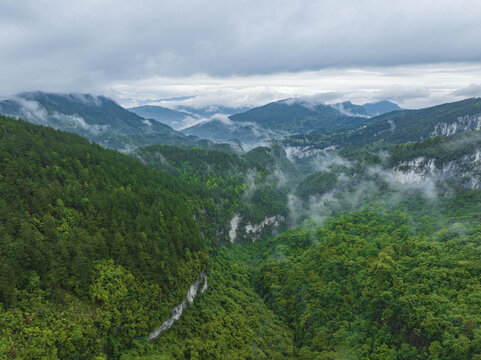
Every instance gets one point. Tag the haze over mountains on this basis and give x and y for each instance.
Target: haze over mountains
(261, 124)
(105, 122)
(183, 116)
(97, 118)
(173, 118)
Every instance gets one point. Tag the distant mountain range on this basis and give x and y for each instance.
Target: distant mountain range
(299, 116)
(287, 117)
(183, 116)
(161, 114)
(103, 121)
(366, 110)
(251, 127)
(209, 111)
(97, 118)
(298, 122)
(399, 127)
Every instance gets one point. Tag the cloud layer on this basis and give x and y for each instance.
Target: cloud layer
(91, 45)
(410, 86)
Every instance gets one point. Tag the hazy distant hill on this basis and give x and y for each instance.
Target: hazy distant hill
(247, 134)
(287, 117)
(176, 117)
(164, 115)
(298, 116)
(292, 116)
(380, 107)
(97, 118)
(209, 111)
(366, 110)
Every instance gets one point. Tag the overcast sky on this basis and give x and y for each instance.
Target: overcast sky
(416, 53)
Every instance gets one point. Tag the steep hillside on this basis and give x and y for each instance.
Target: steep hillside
(383, 282)
(95, 247)
(247, 194)
(376, 285)
(97, 118)
(230, 322)
(399, 127)
(294, 117)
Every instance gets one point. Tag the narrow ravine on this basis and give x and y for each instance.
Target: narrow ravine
(177, 311)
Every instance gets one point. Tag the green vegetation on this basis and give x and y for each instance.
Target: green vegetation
(95, 248)
(252, 184)
(97, 118)
(373, 287)
(442, 149)
(297, 117)
(229, 321)
(392, 128)
(317, 183)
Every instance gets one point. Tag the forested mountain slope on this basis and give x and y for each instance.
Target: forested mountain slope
(400, 127)
(378, 286)
(301, 116)
(95, 248)
(97, 118)
(250, 187)
(382, 264)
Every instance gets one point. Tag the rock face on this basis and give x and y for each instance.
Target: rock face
(465, 171)
(255, 231)
(414, 171)
(301, 152)
(462, 123)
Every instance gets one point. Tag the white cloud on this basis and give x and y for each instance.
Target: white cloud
(411, 86)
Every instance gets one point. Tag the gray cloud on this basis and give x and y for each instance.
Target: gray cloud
(77, 46)
(471, 90)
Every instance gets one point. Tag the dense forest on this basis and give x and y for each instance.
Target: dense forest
(379, 286)
(95, 248)
(254, 184)
(352, 244)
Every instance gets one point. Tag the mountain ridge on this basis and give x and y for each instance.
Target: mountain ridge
(97, 118)
(286, 117)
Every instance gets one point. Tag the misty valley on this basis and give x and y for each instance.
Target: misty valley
(292, 230)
